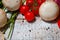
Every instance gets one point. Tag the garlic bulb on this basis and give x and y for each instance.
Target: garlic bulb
(49, 11)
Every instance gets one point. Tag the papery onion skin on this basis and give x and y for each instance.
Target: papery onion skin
(3, 18)
(11, 5)
(1, 36)
(49, 11)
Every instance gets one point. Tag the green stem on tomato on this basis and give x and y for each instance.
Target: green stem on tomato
(23, 1)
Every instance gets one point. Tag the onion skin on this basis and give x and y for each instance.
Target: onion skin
(49, 11)
(11, 5)
(1, 36)
(3, 18)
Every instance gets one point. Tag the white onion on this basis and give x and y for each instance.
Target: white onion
(11, 5)
(49, 11)
(3, 18)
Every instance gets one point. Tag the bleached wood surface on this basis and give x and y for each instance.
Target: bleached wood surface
(38, 30)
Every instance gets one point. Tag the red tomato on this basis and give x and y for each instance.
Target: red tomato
(35, 10)
(24, 9)
(29, 2)
(58, 23)
(40, 1)
(29, 16)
